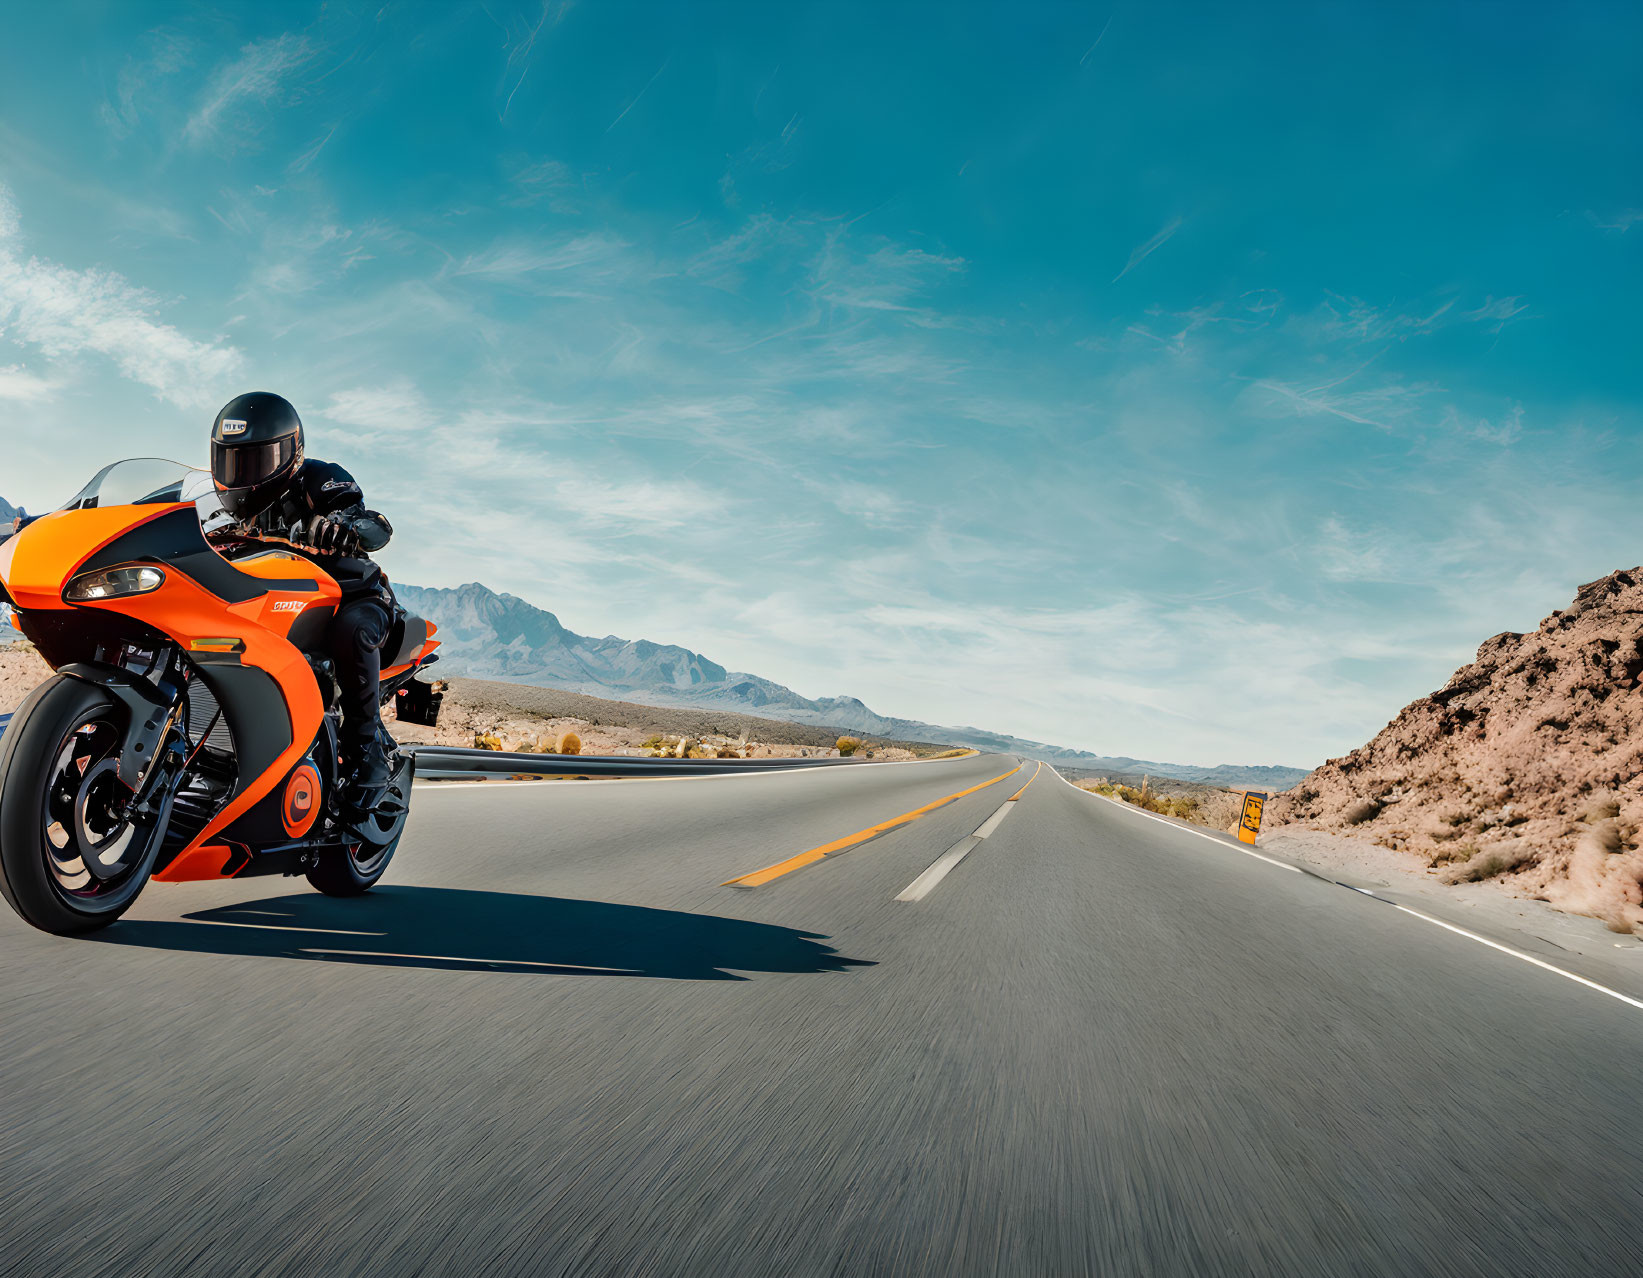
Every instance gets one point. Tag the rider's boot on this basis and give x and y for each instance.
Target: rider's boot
(367, 771)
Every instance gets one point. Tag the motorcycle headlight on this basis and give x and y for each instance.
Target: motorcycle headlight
(112, 583)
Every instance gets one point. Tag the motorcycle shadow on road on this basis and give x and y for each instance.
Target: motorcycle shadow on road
(460, 930)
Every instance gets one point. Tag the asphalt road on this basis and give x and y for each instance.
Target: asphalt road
(555, 1044)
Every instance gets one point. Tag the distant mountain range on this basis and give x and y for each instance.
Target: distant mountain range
(498, 636)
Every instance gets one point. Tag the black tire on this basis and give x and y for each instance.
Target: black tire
(63, 720)
(352, 870)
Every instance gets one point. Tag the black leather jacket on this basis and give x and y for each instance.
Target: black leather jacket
(321, 488)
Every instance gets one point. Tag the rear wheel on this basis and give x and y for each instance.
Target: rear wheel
(71, 859)
(351, 869)
(356, 866)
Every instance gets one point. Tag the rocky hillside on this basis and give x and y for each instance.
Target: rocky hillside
(1527, 764)
(503, 637)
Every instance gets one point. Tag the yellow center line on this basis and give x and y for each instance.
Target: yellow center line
(760, 877)
(1030, 780)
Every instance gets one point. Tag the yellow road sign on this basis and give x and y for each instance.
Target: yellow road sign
(1250, 824)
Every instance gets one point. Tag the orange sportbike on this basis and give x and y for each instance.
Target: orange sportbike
(191, 728)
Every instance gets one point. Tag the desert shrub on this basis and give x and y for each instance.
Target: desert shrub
(1603, 807)
(655, 742)
(569, 743)
(1604, 836)
(1361, 811)
(487, 741)
(1500, 859)
(1449, 856)
(847, 746)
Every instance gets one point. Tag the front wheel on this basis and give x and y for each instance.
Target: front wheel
(71, 859)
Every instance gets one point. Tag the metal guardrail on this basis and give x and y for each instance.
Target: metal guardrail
(454, 763)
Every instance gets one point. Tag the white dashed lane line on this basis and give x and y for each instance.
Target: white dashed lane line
(922, 886)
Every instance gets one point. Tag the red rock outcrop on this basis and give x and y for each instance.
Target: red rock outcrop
(1526, 765)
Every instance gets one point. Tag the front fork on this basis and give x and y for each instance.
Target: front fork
(153, 750)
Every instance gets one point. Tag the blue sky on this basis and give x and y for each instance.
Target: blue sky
(1192, 382)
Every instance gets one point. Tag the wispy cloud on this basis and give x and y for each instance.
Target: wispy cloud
(888, 278)
(257, 76)
(1098, 39)
(545, 181)
(67, 312)
(19, 386)
(391, 411)
(168, 53)
(1502, 431)
(1621, 221)
(1141, 252)
(1381, 406)
(623, 115)
(521, 44)
(592, 258)
(301, 163)
(1497, 312)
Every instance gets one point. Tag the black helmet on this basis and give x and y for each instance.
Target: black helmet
(256, 446)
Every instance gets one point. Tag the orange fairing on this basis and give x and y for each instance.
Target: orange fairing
(188, 613)
(301, 802)
(198, 861)
(280, 609)
(37, 562)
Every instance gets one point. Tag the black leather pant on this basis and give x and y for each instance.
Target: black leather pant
(358, 633)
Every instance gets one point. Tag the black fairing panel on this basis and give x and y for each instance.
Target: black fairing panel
(263, 825)
(255, 709)
(65, 635)
(309, 630)
(175, 539)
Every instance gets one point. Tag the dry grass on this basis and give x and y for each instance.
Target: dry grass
(1361, 811)
(1501, 858)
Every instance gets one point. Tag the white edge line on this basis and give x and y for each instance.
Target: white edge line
(1518, 954)
(1202, 834)
(1427, 918)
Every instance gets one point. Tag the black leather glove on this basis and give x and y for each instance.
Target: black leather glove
(327, 535)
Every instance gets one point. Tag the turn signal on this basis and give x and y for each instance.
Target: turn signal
(112, 583)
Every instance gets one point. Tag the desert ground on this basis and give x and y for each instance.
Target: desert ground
(520, 717)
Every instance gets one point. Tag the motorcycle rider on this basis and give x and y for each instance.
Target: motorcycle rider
(269, 485)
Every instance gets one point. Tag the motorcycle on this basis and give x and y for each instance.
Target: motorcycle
(191, 729)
